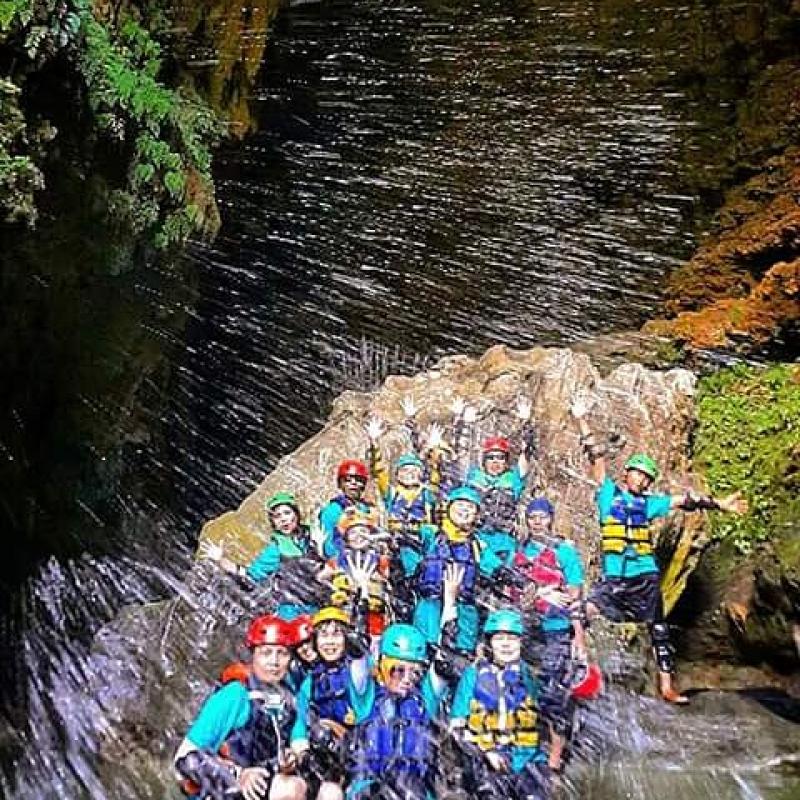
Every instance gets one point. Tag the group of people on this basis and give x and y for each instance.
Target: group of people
(448, 617)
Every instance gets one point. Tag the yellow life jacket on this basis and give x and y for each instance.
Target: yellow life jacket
(627, 524)
(502, 711)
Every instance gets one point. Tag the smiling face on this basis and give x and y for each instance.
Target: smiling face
(506, 648)
(331, 641)
(636, 481)
(409, 475)
(358, 537)
(495, 462)
(462, 514)
(400, 677)
(271, 662)
(306, 652)
(284, 519)
(353, 487)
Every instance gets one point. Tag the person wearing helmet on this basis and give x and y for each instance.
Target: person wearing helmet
(393, 753)
(501, 485)
(452, 544)
(332, 693)
(549, 572)
(290, 539)
(304, 654)
(495, 717)
(359, 550)
(351, 478)
(248, 734)
(629, 589)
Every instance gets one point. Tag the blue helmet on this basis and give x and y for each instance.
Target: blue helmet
(464, 493)
(541, 505)
(506, 620)
(408, 460)
(405, 642)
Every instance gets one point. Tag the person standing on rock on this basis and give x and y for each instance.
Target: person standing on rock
(334, 691)
(501, 485)
(452, 544)
(351, 478)
(549, 574)
(248, 735)
(629, 589)
(495, 718)
(290, 539)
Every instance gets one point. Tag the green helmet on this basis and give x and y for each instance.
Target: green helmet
(505, 620)
(281, 499)
(405, 642)
(408, 460)
(644, 464)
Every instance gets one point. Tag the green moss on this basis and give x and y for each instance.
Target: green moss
(748, 438)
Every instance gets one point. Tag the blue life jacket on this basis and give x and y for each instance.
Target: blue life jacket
(405, 514)
(330, 696)
(626, 524)
(272, 714)
(396, 737)
(430, 577)
(499, 498)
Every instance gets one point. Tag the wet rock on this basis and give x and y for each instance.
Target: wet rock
(646, 410)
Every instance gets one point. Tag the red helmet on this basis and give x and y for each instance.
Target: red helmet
(587, 682)
(352, 467)
(269, 629)
(303, 628)
(495, 443)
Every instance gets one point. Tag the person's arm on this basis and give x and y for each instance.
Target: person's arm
(527, 437)
(266, 563)
(595, 451)
(299, 737)
(690, 501)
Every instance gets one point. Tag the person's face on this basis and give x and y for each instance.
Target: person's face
(403, 676)
(306, 652)
(539, 523)
(330, 641)
(270, 662)
(409, 475)
(495, 462)
(353, 486)
(358, 537)
(462, 513)
(284, 519)
(506, 648)
(636, 481)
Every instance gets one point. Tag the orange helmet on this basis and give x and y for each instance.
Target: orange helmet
(352, 467)
(496, 443)
(269, 629)
(353, 517)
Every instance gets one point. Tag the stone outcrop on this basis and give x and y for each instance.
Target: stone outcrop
(646, 410)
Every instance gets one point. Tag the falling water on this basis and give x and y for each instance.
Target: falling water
(416, 180)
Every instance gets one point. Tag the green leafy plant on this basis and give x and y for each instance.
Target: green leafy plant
(748, 437)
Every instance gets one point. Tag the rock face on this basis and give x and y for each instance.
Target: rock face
(647, 410)
(151, 668)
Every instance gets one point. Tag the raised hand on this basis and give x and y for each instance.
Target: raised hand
(435, 435)
(457, 406)
(361, 567)
(582, 404)
(453, 578)
(524, 408)
(409, 406)
(734, 503)
(470, 414)
(210, 551)
(317, 534)
(374, 429)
